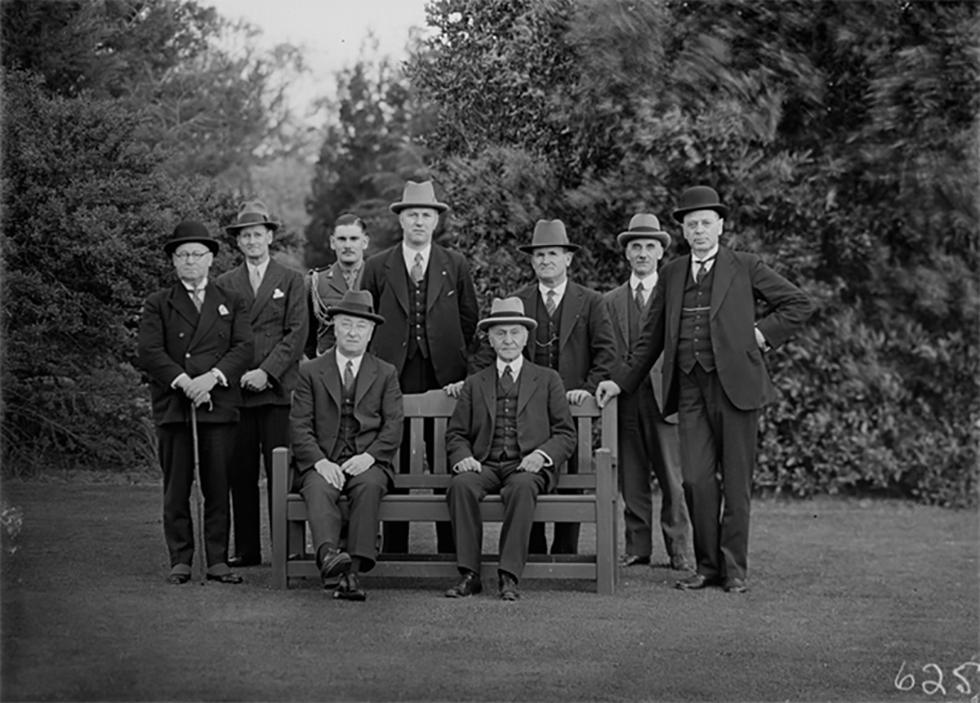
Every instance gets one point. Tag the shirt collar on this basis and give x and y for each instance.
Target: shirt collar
(409, 256)
(559, 291)
(190, 289)
(712, 253)
(261, 268)
(648, 283)
(342, 363)
(515, 366)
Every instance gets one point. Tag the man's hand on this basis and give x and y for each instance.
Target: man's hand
(533, 462)
(255, 380)
(606, 391)
(331, 473)
(357, 464)
(199, 388)
(467, 464)
(577, 397)
(453, 389)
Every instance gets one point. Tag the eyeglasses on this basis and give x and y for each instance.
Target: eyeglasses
(190, 255)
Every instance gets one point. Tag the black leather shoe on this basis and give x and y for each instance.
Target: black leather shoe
(735, 585)
(469, 584)
(226, 578)
(239, 562)
(335, 562)
(508, 587)
(633, 560)
(178, 579)
(696, 582)
(349, 588)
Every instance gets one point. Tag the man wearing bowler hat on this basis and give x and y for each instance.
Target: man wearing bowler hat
(648, 442)
(425, 293)
(194, 343)
(573, 336)
(509, 432)
(276, 299)
(346, 425)
(702, 318)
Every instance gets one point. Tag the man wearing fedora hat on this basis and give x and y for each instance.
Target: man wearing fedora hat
(276, 299)
(426, 294)
(194, 343)
(573, 337)
(346, 425)
(510, 429)
(702, 318)
(648, 442)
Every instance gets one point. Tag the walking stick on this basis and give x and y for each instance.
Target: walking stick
(199, 546)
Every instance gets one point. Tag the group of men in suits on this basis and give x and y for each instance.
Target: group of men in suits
(674, 343)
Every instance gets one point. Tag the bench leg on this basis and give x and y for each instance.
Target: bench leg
(605, 526)
(280, 475)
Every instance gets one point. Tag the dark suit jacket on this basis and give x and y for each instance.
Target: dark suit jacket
(329, 285)
(451, 309)
(617, 302)
(277, 314)
(738, 279)
(315, 415)
(586, 349)
(174, 340)
(543, 419)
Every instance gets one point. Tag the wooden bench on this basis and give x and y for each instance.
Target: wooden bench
(596, 503)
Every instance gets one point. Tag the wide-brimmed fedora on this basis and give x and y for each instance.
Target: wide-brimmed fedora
(643, 226)
(252, 212)
(418, 195)
(507, 311)
(549, 233)
(190, 231)
(699, 198)
(356, 303)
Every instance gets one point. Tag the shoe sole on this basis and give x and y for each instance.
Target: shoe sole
(338, 565)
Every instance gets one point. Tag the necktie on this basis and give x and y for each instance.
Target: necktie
(507, 380)
(349, 375)
(197, 297)
(549, 303)
(638, 297)
(350, 275)
(256, 279)
(417, 271)
(702, 269)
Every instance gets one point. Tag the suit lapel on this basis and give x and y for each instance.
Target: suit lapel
(527, 296)
(675, 300)
(365, 377)
(270, 281)
(525, 389)
(331, 377)
(397, 277)
(438, 263)
(487, 380)
(335, 279)
(620, 299)
(572, 304)
(724, 275)
(180, 301)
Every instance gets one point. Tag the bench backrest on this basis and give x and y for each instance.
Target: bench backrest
(436, 407)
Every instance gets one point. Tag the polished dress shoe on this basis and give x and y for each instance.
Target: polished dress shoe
(633, 560)
(335, 562)
(177, 579)
(468, 585)
(696, 582)
(508, 586)
(349, 588)
(679, 562)
(238, 562)
(736, 585)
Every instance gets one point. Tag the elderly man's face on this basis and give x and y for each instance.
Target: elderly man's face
(353, 334)
(551, 264)
(508, 341)
(643, 255)
(254, 242)
(418, 224)
(702, 228)
(192, 261)
(349, 242)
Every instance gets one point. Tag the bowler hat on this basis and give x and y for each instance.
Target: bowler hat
(507, 311)
(190, 231)
(418, 195)
(549, 233)
(643, 226)
(699, 198)
(356, 303)
(252, 212)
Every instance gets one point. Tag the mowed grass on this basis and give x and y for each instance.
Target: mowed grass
(846, 594)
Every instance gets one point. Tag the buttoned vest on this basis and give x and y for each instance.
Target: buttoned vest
(694, 345)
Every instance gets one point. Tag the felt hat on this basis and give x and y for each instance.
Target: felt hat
(507, 311)
(549, 233)
(190, 231)
(356, 303)
(643, 226)
(252, 212)
(418, 195)
(699, 198)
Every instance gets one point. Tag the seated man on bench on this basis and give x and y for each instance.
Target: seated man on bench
(510, 431)
(343, 447)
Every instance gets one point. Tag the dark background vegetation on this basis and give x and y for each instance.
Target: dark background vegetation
(844, 135)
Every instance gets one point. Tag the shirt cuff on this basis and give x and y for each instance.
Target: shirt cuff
(175, 384)
(222, 381)
(547, 459)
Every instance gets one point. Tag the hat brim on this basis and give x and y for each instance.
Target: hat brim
(398, 207)
(529, 248)
(337, 310)
(210, 243)
(233, 229)
(489, 322)
(679, 213)
(624, 238)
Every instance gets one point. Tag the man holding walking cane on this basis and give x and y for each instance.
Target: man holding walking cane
(194, 343)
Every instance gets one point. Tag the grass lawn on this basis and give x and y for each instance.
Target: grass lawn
(850, 601)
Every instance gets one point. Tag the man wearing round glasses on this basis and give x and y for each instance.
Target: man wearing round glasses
(194, 343)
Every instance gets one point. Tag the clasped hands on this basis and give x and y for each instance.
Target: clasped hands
(532, 463)
(336, 474)
(198, 389)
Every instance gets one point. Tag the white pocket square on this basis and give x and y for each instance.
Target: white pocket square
(277, 294)
(222, 310)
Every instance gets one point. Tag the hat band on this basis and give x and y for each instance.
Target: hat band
(252, 219)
